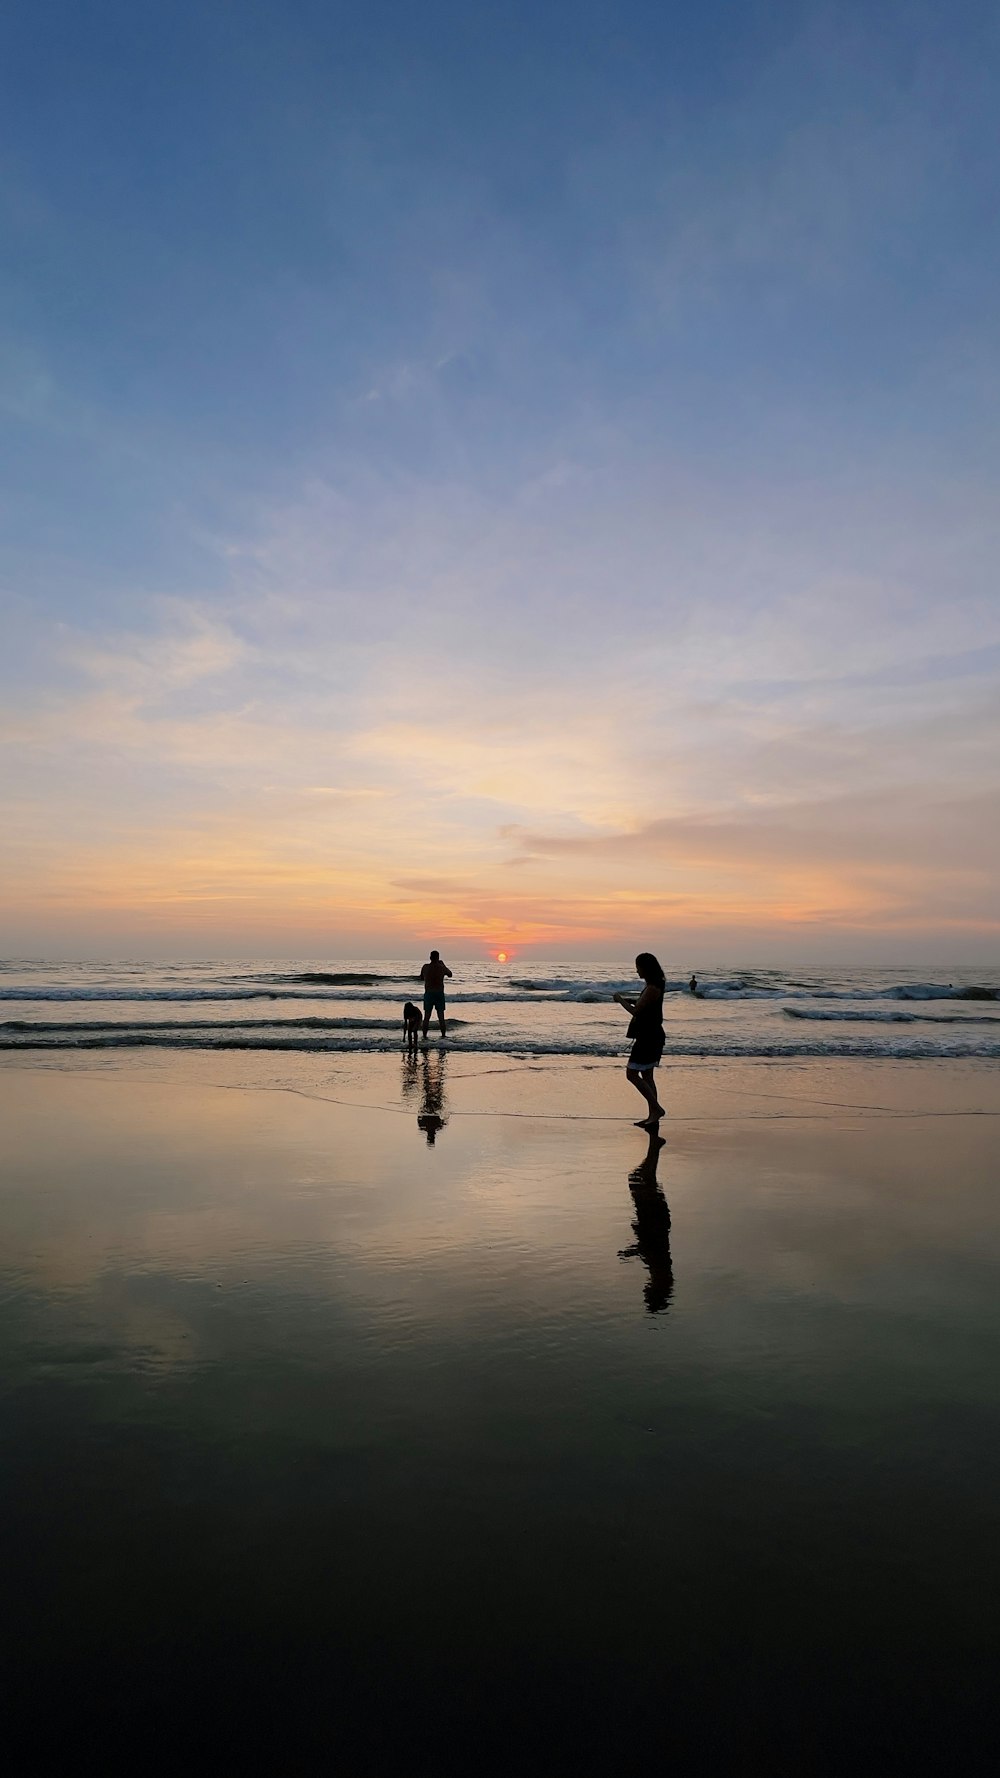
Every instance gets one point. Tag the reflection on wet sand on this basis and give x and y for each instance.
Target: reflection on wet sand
(651, 1228)
(424, 1075)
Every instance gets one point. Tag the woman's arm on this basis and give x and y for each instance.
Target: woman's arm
(646, 998)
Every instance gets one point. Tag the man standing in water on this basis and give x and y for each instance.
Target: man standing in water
(432, 975)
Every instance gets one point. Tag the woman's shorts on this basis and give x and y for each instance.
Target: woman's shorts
(645, 1056)
(434, 1003)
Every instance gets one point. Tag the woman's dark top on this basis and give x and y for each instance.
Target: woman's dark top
(646, 1028)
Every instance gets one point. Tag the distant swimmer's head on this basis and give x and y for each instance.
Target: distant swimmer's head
(649, 969)
(435, 956)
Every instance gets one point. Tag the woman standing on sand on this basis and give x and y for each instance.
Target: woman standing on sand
(646, 1030)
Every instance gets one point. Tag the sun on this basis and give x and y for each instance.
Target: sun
(504, 955)
(501, 956)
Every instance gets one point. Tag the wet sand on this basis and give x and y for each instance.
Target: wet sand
(428, 1412)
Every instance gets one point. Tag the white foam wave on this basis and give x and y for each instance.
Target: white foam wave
(906, 991)
(334, 988)
(327, 996)
(133, 1030)
(901, 991)
(571, 988)
(139, 995)
(888, 1016)
(355, 1039)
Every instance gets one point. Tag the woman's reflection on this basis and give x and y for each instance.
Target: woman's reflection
(424, 1074)
(651, 1228)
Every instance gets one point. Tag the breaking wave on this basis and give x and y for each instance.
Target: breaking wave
(901, 991)
(112, 1028)
(191, 995)
(888, 1016)
(349, 978)
(555, 989)
(196, 996)
(379, 1035)
(552, 1009)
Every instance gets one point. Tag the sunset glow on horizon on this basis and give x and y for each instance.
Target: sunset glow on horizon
(566, 509)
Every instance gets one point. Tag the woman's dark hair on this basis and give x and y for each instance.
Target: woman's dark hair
(647, 966)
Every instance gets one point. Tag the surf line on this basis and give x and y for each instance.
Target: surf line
(583, 1117)
(112, 1077)
(573, 1117)
(847, 1105)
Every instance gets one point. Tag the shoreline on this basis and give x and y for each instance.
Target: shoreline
(481, 1083)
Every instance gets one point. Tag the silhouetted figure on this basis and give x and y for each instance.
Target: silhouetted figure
(411, 1024)
(432, 975)
(429, 1081)
(646, 1031)
(651, 1228)
(693, 984)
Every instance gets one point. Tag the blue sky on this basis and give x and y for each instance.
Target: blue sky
(521, 474)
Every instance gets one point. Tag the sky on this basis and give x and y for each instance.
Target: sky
(500, 475)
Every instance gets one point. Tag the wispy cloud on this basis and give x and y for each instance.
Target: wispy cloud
(583, 534)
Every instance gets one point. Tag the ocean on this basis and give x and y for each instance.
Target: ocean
(519, 1009)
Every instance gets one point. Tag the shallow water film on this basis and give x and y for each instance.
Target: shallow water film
(415, 1432)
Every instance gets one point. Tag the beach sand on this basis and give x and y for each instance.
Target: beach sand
(383, 1411)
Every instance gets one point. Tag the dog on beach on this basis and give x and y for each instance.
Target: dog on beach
(413, 1018)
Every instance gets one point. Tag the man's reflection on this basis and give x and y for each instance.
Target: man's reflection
(424, 1075)
(651, 1228)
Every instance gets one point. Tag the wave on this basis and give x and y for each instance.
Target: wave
(722, 991)
(891, 1016)
(366, 978)
(901, 991)
(322, 988)
(570, 988)
(930, 991)
(375, 1038)
(909, 991)
(29, 1027)
(194, 996)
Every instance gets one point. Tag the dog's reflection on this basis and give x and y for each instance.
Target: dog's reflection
(651, 1228)
(424, 1076)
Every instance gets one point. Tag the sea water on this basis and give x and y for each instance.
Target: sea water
(520, 1008)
